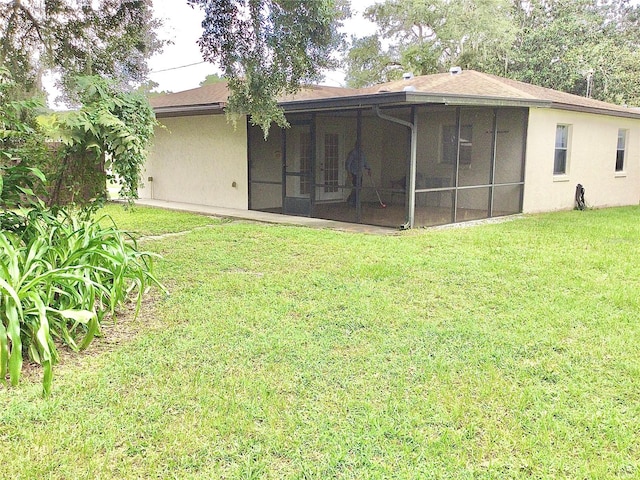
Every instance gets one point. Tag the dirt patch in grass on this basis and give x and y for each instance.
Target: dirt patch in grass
(114, 332)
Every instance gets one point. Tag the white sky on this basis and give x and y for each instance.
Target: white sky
(182, 27)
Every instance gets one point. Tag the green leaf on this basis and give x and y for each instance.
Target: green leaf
(10, 291)
(47, 378)
(82, 316)
(38, 173)
(43, 338)
(4, 348)
(13, 333)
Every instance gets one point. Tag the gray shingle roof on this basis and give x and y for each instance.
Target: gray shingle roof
(472, 83)
(468, 84)
(216, 93)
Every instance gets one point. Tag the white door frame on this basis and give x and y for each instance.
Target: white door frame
(325, 193)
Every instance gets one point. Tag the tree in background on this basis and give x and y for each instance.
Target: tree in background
(266, 48)
(367, 63)
(430, 36)
(113, 38)
(577, 46)
(146, 88)
(211, 79)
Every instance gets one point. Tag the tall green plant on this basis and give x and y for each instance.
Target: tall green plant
(59, 277)
(61, 272)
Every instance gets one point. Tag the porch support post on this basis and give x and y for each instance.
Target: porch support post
(412, 170)
(454, 212)
(413, 125)
(283, 156)
(249, 164)
(523, 164)
(494, 147)
(312, 173)
(360, 178)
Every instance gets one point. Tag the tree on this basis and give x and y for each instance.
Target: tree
(269, 47)
(111, 131)
(431, 36)
(211, 79)
(368, 64)
(112, 38)
(22, 146)
(145, 88)
(579, 46)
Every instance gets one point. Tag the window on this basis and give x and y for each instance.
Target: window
(449, 150)
(622, 144)
(562, 149)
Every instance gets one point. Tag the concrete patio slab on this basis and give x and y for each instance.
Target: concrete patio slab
(265, 217)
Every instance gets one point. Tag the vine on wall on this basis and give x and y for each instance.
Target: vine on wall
(111, 132)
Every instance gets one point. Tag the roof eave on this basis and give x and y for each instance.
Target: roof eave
(475, 100)
(406, 98)
(189, 110)
(394, 98)
(351, 101)
(595, 110)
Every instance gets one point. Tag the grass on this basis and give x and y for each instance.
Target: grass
(498, 351)
(148, 221)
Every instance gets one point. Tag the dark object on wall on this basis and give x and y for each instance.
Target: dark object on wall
(580, 205)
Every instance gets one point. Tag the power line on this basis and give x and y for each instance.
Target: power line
(177, 68)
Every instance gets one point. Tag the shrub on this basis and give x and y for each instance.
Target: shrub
(110, 131)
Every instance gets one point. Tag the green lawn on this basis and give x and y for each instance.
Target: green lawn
(499, 351)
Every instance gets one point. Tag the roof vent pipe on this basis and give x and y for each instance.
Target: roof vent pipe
(455, 70)
(407, 76)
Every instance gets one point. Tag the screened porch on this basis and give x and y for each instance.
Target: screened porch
(429, 165)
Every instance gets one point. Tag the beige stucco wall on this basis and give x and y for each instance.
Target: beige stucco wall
(198, 160)
(591, 161)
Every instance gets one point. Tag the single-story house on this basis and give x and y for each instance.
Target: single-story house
(442, 148)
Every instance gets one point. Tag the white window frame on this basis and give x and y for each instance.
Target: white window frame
(621, 151)
(562, 148)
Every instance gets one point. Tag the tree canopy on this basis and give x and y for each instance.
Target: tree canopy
(580, 46)
(577, 46)
(269, 47)
(430, 36)
(211, 79)
(113, 38)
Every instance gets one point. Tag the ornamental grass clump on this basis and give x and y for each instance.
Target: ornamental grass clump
(60, 274)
